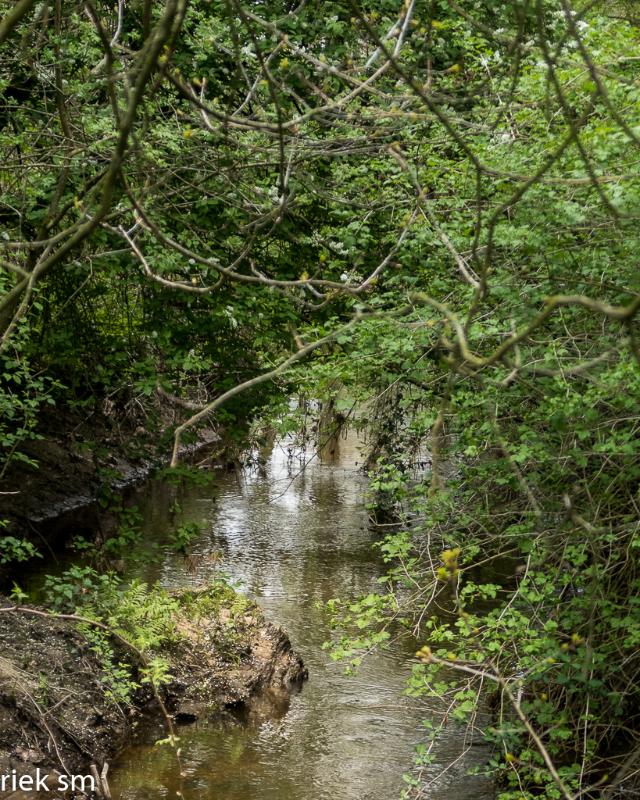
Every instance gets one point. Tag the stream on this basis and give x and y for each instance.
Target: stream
(293, 537)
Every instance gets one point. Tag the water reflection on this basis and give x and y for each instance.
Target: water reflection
(293, 538)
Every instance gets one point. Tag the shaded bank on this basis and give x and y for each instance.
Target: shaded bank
(61, 488)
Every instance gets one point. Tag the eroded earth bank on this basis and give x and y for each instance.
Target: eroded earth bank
(60, 681)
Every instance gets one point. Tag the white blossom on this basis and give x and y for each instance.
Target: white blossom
(504, 137)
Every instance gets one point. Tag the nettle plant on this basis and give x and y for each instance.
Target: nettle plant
(23, 393)
(16, 550)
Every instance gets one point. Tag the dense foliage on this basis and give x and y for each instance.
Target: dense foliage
(437, 202)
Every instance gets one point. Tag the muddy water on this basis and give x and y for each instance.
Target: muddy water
(294, 538)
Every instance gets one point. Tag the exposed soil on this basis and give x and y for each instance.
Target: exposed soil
(77, 463)
(233, 661)
(55, 711)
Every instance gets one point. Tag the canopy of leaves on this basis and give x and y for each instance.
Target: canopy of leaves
(436, 201)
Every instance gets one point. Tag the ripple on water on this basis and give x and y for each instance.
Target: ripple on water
(294, 539)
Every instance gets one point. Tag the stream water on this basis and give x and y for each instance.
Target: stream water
(294, 538)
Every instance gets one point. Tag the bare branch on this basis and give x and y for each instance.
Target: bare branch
(210, 408)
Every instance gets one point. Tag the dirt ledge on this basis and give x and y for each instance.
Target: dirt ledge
(75, 463)
(55, 711)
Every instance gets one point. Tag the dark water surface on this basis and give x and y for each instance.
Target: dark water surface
(294, 538)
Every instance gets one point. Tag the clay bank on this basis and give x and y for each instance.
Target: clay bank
(63, 683)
